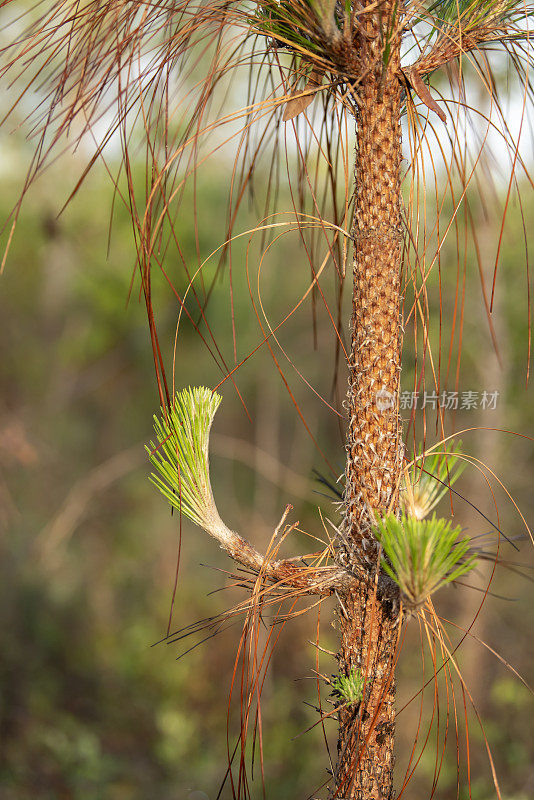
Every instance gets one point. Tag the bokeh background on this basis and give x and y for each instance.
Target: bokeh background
(92, 706)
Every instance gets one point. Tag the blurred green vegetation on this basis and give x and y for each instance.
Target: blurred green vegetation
(89, 707)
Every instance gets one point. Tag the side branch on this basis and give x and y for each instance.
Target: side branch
(289, 573)
(453, 42)
(180, 456)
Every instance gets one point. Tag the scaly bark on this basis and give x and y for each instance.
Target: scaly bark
(367, 732)
(374, 451)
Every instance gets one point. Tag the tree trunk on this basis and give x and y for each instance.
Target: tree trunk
(368, 626)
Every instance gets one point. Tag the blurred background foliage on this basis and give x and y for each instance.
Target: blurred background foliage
(89, 707)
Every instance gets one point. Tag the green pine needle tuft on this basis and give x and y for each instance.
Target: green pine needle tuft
(472, 13)
(348, 687)
(180, 454)
(423, 490)
(421, 556)
(297, 24)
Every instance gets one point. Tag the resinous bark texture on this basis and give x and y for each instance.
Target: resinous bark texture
(374, 448)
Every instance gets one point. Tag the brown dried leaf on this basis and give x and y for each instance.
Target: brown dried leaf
(421, 90)
(300, 99)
